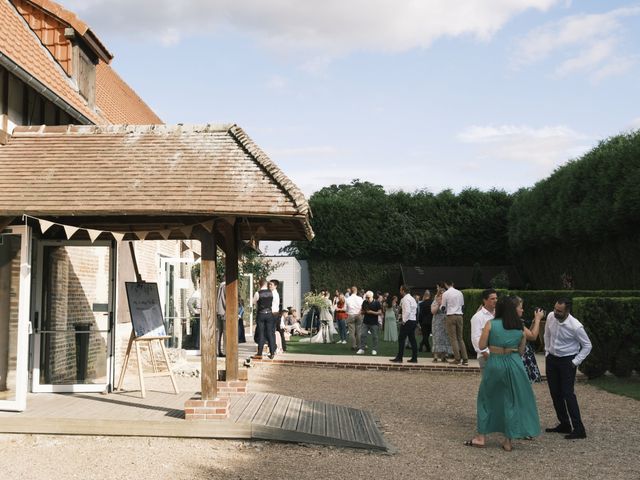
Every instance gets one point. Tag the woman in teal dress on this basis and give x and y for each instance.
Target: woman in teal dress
(506, 403)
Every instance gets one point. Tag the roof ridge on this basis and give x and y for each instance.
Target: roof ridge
(119, 129)
(272, 169)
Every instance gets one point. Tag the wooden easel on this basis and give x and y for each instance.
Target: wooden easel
(148, 342)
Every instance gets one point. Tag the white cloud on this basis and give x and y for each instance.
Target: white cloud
(326, 29)
(277, 82)
(634, 124)
(540, 148)
(584, 43)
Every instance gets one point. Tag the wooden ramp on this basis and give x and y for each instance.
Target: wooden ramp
(263, 416)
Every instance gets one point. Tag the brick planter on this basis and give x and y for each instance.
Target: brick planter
(232, 388)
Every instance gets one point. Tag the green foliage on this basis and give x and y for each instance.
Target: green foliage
(313, 300)
(360, 220)
(533, 299)
(583, 220)
(341, 274)
(501, 280)
(613, 326)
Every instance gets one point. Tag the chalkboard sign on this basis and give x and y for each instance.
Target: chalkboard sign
(144, 306)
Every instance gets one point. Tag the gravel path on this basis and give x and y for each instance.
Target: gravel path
(425, 416)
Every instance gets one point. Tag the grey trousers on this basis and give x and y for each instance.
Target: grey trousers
(354, 322)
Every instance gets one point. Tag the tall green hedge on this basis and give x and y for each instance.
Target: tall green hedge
(532, 299)
(583, 221)
(340, 274)
(613, 326)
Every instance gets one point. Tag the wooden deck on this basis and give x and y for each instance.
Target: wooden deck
(263, 416)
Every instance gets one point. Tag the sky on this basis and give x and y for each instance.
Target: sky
(408, 94)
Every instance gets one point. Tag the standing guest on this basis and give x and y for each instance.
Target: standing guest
(370, 310)
(566, 345)
(264, 300)
(241, 335)
(341, 318)
(336, 297)
(441, 346)
(485, 313)
(391, 319)
(425, 320)
(221, 306)
(506, 403)
(531, 330)
(453, 303)
(354, 317)
(408, 306)
(380, 299)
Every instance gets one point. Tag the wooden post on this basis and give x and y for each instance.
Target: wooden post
(231, 290)
(208, 355)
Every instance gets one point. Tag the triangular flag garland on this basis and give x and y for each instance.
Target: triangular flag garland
(94, 234)
(45, 225)
(71, 230)
(118, 236)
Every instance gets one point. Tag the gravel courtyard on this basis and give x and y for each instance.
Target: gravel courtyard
(425, 416)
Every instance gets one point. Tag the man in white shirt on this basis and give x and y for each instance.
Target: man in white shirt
(479, 320)
(353, 306)
(409, 308)
(453, 303)
(566, 345)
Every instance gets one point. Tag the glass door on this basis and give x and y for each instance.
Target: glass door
(15, 284)
(180, 302)
(73, 341)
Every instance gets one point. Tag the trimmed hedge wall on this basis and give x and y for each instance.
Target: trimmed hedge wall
(613, 325)
(335, 274)
(532, 299)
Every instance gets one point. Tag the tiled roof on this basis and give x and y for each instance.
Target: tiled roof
(147, 171)
(117, 101)
(20, 44)
(60, 13)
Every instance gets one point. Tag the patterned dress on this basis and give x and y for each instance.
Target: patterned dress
(441, 342)
(529, 359)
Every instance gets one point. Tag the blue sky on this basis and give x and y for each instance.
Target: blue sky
(407, 94)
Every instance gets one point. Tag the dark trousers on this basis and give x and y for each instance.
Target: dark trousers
(561, 377)
(407, 330)
(425, 328)
(266, 328)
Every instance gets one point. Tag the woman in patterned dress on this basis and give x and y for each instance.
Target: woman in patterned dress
(441, 345)
(531, 330)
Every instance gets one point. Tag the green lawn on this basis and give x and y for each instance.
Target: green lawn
(628, 387)
(386, 349)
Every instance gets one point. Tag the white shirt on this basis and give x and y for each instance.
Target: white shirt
(409, 308)
(275, 305)
(478, 321)
(453, 301)
(562, 339)
(353, 305)
(221, 302)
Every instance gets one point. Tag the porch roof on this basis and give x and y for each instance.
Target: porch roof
(128, 178)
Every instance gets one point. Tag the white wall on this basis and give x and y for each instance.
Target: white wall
(289, 273)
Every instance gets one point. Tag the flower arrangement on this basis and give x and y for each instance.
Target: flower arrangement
(312, 300)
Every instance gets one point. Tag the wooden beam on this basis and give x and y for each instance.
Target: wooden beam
(208, 355)
(231, 291)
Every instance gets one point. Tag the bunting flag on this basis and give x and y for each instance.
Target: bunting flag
(93, 234)
(208, 226)
(186, 231)
(69, 230)
(45, 225)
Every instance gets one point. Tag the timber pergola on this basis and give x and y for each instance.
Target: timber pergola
(211, 183)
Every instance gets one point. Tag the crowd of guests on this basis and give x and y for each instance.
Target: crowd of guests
(502, 338)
